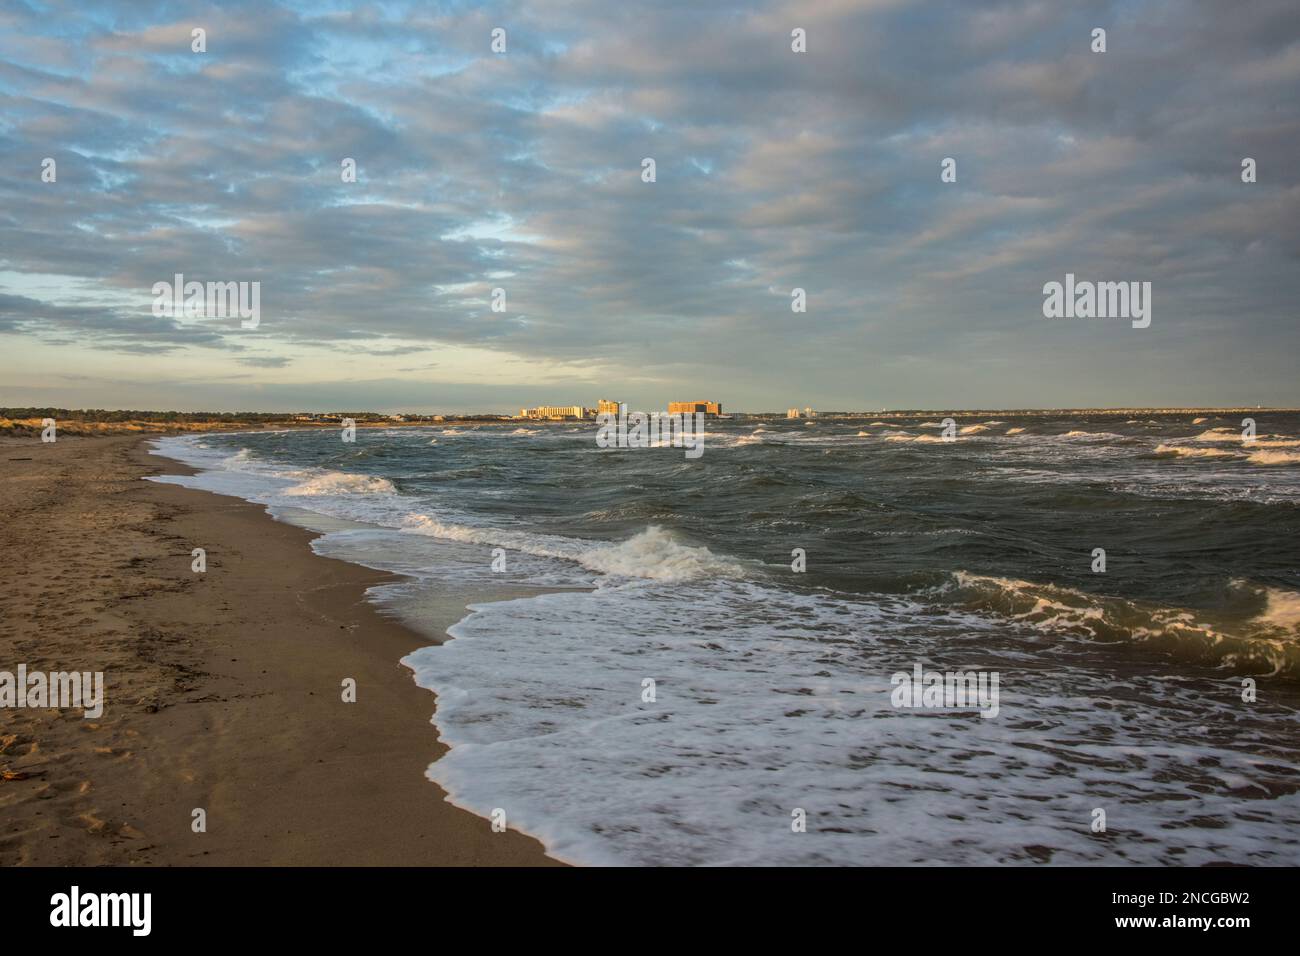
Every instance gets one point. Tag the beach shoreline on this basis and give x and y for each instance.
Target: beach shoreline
(223, 689)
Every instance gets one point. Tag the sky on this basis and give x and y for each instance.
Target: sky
(522, 170)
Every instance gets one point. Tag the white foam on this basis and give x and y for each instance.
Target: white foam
(1056, 609)
(653, 553)
(767, 701)
(341, 483)
(1282, 609)
(1182, 451)
(1274, 458)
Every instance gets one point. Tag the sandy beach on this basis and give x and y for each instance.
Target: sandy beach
(222, 689)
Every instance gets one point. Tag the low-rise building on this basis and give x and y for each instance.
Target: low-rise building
(554, 412)
(692, 408)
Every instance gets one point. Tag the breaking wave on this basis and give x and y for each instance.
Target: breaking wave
(341, 483)
(652, 554)
(1264, 643)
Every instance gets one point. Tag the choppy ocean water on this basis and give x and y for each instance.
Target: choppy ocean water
(1119, 691)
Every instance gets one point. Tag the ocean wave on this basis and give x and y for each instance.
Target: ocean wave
(1281, 609)
(1274, 458)
(1183, 451)
(1266, 642)
(652, 554)
(1103, 436)
(341, 483)
(238, 460)
(917, 439)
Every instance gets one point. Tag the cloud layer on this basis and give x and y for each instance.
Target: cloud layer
(775, 170)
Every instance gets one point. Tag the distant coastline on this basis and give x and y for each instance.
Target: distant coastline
(26, 422)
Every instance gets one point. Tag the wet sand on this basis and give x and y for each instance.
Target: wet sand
(223, 690)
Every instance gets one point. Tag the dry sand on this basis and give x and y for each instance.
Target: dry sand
(222, 689)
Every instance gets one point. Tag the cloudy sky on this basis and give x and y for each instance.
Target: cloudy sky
(522, 170)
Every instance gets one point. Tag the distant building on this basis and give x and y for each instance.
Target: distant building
(692, 408)
(792, 413)
(809, 413)
(606, 407)
(554, 412)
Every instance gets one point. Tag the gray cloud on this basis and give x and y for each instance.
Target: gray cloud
(775, 170)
